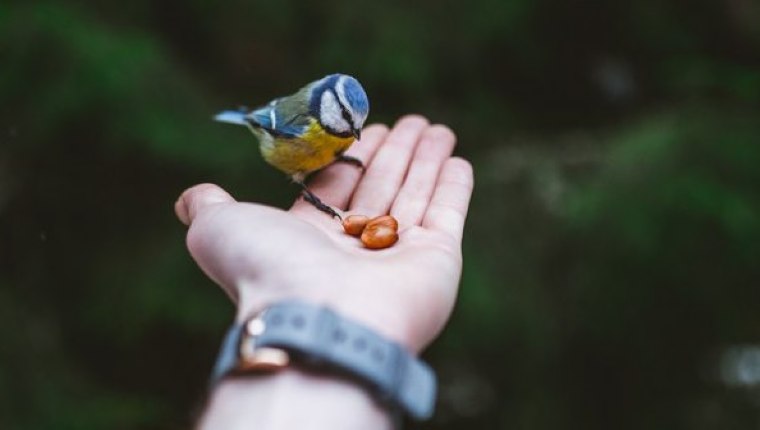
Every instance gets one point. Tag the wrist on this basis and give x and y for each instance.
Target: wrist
(298, 333)
(293, 398)
(377, 313)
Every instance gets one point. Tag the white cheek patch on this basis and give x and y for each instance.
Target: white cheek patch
(331, 115)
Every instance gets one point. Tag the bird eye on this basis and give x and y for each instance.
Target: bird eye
(334, 115)
(347, 116)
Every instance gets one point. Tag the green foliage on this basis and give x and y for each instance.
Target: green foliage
(611, 251)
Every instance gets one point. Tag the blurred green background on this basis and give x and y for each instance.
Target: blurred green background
(612, 255)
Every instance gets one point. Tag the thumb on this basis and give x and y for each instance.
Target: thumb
(191, 203)
(197, 199)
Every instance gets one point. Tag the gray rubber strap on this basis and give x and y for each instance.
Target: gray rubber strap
(318, 335)
(228, 355)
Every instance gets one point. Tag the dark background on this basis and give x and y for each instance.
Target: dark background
(612, 255)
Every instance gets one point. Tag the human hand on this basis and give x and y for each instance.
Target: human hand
(260, 254)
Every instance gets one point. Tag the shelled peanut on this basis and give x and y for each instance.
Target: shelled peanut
(377, 233)
(354, 224)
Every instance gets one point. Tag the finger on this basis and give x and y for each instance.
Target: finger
(335, 184)
(380, 184)
(198, 198)
(451, 198)
(435, 147)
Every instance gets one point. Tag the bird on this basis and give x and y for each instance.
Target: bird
(309, 130)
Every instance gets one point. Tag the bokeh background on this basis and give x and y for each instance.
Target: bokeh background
(612, 255)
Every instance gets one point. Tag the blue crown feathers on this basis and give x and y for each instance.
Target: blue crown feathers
(355, 95)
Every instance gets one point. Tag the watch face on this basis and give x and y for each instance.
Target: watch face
(253, 358)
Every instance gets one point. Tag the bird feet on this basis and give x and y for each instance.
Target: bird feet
(350, 160)
(314, 201)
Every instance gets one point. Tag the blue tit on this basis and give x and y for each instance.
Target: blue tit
(309, 130)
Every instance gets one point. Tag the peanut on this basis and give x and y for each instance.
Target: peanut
(379, 236)
(385, 220)
(354, 224)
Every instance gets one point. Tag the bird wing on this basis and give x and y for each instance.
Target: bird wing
(283, 117)
(286, 116)
(270, 118)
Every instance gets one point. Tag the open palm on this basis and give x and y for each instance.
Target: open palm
(260, 254)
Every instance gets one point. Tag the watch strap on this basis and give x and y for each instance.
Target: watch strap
(316, 335)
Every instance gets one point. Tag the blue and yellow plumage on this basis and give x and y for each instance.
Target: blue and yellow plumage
(309, 130)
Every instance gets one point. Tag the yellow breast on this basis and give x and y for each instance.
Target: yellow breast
(315, 149)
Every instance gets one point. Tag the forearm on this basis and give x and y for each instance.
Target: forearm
(293, 399)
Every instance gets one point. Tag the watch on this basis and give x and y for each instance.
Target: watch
(305, 334)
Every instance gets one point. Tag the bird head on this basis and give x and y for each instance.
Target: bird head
(340, 104)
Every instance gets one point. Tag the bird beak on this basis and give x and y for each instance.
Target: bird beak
(357, 133)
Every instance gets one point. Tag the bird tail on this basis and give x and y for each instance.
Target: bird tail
(231, 117)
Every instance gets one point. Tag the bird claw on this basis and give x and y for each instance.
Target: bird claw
(351, 160)
(314, 201)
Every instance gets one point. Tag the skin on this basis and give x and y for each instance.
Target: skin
(260, 255)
